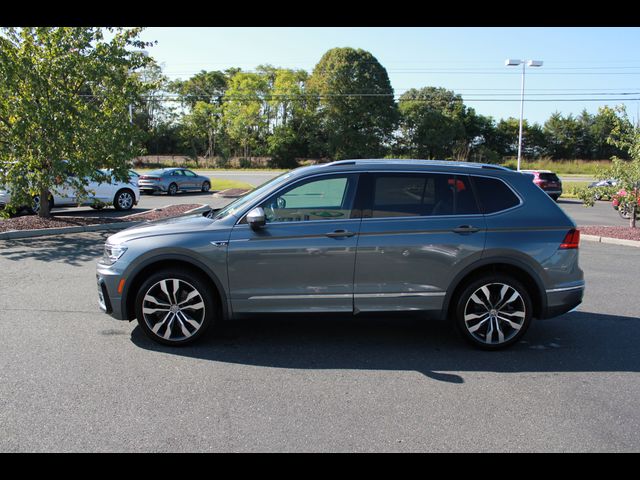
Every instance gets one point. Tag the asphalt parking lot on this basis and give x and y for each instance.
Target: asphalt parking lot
(73, 379)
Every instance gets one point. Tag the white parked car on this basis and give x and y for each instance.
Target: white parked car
(122, 195)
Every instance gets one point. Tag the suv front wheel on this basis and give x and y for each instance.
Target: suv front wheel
(493, 311)
(175, 308)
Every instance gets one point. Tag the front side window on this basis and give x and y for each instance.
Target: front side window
(189, 173)
(421, 194)
(325, 198)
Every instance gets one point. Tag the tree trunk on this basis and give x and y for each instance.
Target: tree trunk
(45, 208)
(632, 217)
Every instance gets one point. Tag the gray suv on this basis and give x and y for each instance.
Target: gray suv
(477, 244)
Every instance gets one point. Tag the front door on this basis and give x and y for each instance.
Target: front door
(303, 258)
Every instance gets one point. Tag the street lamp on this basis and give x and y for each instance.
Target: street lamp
(510, 62)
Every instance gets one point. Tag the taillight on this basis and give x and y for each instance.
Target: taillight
(571, 239)
(144, 177)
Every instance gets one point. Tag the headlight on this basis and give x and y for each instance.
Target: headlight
(112, 253)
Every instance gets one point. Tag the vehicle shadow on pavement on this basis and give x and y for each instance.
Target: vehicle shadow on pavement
(73, 249)
(575, 342)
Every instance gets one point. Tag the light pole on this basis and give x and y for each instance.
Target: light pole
(510, 62)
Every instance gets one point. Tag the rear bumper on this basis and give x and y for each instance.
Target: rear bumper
(563, 300)
(152, 188)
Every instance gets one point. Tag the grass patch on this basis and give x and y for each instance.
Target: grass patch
(571, 190)
(561, 167)
(218, 184)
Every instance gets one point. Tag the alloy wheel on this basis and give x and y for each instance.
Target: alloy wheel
(173, 309)
(494, 314)
(125, 201)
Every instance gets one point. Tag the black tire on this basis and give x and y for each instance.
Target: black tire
(124, 200)
(206, 186)
(170, 327)
(483, 325)
(555, 197)
(173, 189)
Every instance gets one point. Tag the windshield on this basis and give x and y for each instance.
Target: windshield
(238, 204)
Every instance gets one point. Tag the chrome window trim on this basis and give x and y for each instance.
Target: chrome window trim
(350, 171)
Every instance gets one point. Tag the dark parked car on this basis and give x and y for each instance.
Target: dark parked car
(477, 244)
(547, 181)
(173, 180)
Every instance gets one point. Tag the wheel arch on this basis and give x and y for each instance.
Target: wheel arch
(182, 263)
(504, 265)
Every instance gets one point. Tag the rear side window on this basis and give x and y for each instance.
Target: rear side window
(494, 195)
(407, 195)
(550, 177)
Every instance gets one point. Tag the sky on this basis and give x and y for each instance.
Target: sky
(584, 67)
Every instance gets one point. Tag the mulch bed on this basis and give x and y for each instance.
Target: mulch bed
(625, 233)
(33, 222)
(231, 192)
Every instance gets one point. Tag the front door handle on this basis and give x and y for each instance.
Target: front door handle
(340, 234)
(466, 229)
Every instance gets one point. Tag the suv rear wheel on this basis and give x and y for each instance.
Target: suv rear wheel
(493, 311)
(174, 307)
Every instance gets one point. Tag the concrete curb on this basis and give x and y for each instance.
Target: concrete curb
(611, 240)
(42, 232)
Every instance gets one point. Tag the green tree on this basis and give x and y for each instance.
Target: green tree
(432, 122)
(625, 136)
(201, 128)
(506, 138)
(561, 135)
(354, 112)
(64, 96)
(604, 123)
(204, 86)
(243, 110)
(290, 119)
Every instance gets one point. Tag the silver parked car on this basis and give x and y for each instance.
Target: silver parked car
(173, 180)
(479, 245)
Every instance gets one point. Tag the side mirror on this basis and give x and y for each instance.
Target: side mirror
(256, 218)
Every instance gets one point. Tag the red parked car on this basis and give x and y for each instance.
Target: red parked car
(547, 181)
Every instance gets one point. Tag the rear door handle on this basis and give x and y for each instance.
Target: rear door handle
(340, 234)
(466, 229)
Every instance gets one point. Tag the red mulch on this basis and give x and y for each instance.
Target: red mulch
(625, 233)
(33, 222)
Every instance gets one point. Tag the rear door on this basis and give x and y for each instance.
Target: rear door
(191, 180)
(177, 177)
(418, 230)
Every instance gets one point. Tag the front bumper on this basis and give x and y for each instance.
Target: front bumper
(109, 300)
